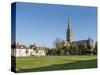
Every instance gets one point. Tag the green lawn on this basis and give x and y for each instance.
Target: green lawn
(48, 63)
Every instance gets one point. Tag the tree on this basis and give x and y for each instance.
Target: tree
(66, 50)
(54, 51)
(26, 51)
(74, 49)
(80, 48)
(95, 48)
(84, 48)
(58, 43)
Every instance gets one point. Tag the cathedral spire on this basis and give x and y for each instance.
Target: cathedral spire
(69, 32)
(69, 25)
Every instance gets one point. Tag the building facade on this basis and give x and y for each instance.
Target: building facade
(21, 50)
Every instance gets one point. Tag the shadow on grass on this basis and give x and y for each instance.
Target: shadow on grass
(66, 66)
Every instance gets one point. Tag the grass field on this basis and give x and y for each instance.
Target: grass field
(49, 63)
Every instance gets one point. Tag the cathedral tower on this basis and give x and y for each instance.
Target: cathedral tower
(69, 33)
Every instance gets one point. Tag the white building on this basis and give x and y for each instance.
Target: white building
(32, 50)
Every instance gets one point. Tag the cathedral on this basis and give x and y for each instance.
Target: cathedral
(69, 40)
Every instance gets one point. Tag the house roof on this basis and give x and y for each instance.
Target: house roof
(18, 46)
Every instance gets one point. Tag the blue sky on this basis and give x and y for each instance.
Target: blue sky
(43, 23)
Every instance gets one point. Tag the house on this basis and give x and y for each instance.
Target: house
(18, 50)
(21, 50)
(37, 51)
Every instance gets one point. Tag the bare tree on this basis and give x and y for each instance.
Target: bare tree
(58, 44)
